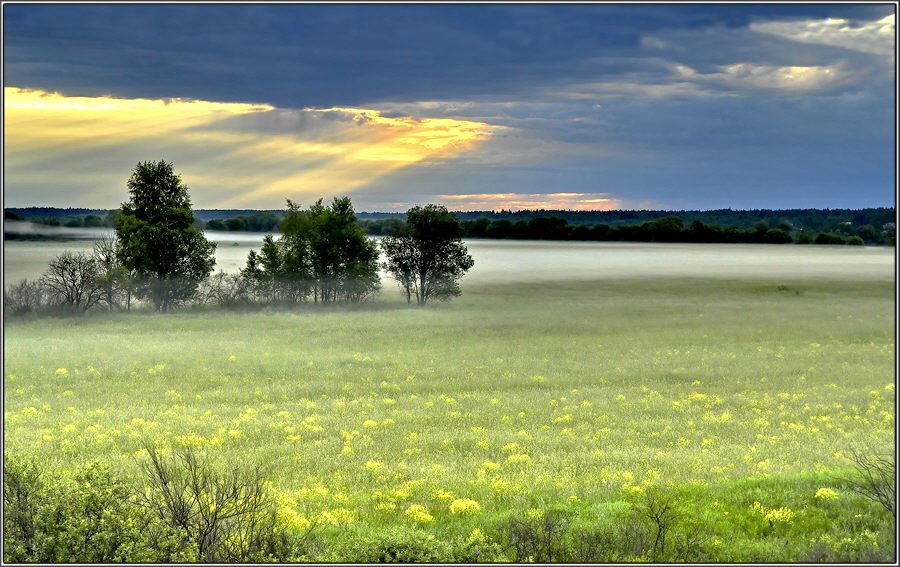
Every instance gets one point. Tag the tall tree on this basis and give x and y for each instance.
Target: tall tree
(428, 257)
(157, 238)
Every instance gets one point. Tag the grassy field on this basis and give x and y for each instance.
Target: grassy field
(575, 396)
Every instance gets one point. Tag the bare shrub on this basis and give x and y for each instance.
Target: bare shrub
(73, 281)
(875, 479)
(628, 539)
(228, 516)
(226, 290)
(657, 508)
(539, 537)
(24, 297)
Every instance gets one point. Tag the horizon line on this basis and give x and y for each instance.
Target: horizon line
(892, 206)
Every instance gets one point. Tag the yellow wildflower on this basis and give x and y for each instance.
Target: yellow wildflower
(464, 506)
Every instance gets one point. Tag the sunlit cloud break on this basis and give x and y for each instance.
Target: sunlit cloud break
(872, 37)
(520, 201)
(230, 154)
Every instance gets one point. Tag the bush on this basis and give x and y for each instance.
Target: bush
(396, 545)
(24, 297)
(84, 517)
(855, 241)
(539, 536)
(875, 479)
(828, 238)
(224, 290)
(476, 548)
(400, 544)
(225, 516)
(776, 236)
(624, 540)
(186, 512)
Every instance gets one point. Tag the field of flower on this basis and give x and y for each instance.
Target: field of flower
(744, 397)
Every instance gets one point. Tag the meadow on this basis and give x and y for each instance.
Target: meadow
(555, 388)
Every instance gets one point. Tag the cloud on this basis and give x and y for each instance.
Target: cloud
(85, 146)
(678, 105)
(519, 201)
(870, 37)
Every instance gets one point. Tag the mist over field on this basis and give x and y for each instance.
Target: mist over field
(511, 261)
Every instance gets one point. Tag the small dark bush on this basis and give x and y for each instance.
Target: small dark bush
(776, 236)
(25, 297)
(539, 537)
(400, 544)
(828, 238)
(396, 545)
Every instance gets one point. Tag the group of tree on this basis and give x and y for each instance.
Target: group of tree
(322, 255)
(874, 226)
(664, 229)
(258, 222)
(807, 219)
(157, 255)
(160, 256)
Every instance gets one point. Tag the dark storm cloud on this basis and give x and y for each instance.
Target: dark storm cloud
(316, 55)
(693, 106)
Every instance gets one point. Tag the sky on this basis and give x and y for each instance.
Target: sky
(475, 106)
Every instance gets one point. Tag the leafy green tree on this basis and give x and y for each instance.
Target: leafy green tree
(776, 236)
(236, 224)
(428, 257)
(92, 221)
(322, 252)
(344, 260)
(828, 238)
(157, 238)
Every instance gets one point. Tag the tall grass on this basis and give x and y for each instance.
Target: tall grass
(515, 399)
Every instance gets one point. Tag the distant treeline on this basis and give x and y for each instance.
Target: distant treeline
(820, 226)
(665, 229)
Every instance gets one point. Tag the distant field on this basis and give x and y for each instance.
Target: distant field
(528, 393)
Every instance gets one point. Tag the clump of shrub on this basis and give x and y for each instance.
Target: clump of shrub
(401, 544)
(84, 517)
(224, 515)
(186, 511)
(25, 297)
(539, 536)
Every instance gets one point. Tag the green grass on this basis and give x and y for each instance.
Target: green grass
(569, 394)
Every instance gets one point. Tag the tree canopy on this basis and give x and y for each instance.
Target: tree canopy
(157, 239)
(322, 253)
(428, 258)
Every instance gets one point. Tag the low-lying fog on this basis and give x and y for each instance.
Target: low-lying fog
(517, 260)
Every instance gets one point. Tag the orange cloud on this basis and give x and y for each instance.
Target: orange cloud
(519, 201)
